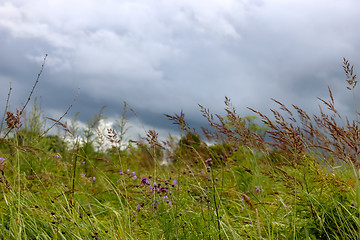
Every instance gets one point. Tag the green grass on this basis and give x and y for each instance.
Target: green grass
(305, 186)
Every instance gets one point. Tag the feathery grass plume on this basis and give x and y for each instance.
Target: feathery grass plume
(13, 120)
(113, 137)
(323, 132)
(231, 128)
(350, 76)
(152, 137)
(179, 120)
(287, 136)
(117, 135)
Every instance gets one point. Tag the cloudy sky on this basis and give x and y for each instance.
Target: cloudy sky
(164, 56)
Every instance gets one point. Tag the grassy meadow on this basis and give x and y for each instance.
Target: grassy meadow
(301, 181)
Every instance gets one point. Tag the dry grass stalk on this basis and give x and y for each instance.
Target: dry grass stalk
(57, 122)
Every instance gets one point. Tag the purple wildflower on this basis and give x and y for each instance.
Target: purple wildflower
(83, 163)
(144, 181)
(2, 160)
(208, 160)
(94, 178)
(174, 182)
(121, 173)
(162, 189)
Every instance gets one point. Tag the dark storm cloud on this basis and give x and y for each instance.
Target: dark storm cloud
(167, 56)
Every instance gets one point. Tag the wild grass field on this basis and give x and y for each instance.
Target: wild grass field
(291, 176)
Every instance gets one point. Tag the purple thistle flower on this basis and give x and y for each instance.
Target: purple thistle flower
(144, 181)
(162, 189)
